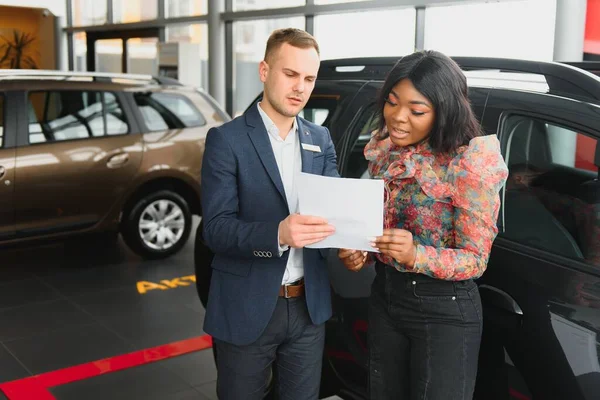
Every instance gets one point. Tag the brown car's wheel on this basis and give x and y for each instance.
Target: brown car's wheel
(158, 225)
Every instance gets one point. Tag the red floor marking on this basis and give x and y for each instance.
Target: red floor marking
(36, 387)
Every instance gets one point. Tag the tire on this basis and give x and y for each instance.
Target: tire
(164, 212)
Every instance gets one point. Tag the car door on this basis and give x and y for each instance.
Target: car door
(77, 154)
(541, 290)
(7, 170)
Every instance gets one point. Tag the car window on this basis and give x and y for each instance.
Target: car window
(115, 118)
(168, 111)
(319, 109)
(154, 121)
(551, 200)
(155, 114)
(70, 115)
(314, 115)
(356, 165)
(1, 120)
(221, 115)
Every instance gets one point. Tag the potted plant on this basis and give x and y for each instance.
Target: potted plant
(18, 51)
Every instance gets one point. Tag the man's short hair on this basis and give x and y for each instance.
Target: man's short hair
(293, 37)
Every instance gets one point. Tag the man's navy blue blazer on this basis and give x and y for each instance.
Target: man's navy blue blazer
(243, 202)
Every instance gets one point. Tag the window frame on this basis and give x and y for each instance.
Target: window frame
(3, 118)
(11, 118)
(349, 141)
(24, 138)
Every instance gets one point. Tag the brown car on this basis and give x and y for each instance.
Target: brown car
(92, 152)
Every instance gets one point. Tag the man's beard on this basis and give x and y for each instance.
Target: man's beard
(281, 109)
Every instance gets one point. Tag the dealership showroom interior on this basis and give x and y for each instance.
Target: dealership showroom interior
(105, 273)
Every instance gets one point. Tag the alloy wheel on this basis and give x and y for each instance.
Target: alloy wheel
(161, 224)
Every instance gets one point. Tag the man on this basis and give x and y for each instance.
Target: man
(269, 297)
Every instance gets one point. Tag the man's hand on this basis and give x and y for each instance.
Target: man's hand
(354, 260)
(398, 244)
(301, 230)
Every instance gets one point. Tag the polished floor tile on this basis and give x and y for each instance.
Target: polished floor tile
(197, 368)
(11, 269)
(151, 381)
(69, 303)
(10, 368)
(25, 291)
(33, 319)
(192, 394)
(128, 301)
(209, 390)
(67, 347)
(161, 328)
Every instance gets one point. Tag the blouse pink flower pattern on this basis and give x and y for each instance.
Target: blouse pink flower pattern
(449, 202)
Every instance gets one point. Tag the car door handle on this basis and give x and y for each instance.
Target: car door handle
(117, 160)
(499, 299)
(2, 171)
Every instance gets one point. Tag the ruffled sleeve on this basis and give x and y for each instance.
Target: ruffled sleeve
(376, 152)
(472, 183)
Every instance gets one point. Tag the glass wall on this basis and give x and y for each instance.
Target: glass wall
(109, 54)
(513, 29)
(134, 10)
(336, 1)
(185, 8)
(142, 56)
(243, 5)
(197, 36)
(249, 42)
(80, 50)
(89, 12)
(395, 36)
(517, 29)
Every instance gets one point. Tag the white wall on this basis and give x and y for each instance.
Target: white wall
(56, 7)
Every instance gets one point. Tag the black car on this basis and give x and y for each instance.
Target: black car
(541, 291)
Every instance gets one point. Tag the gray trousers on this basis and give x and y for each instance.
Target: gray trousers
(291, 341)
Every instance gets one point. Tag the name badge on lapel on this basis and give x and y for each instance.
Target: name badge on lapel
(311, 147)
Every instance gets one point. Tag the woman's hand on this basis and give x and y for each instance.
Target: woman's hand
(398, 244)
(354, 260)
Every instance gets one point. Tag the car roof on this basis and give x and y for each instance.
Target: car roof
(573, 80)
(20, 75)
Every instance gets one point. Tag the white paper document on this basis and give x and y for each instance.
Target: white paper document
(353, 206)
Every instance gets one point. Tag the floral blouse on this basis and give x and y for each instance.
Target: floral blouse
(449, 202)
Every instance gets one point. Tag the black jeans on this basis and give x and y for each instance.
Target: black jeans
(424, 337)
(292, 341)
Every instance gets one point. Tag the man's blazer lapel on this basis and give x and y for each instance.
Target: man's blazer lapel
(260, 139)
(306, 137)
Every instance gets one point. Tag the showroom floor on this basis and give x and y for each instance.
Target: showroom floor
(68, 305)
(88, 319)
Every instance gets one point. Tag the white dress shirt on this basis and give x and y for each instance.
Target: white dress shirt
(289, 163)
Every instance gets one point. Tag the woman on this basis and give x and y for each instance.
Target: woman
(442, 180)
